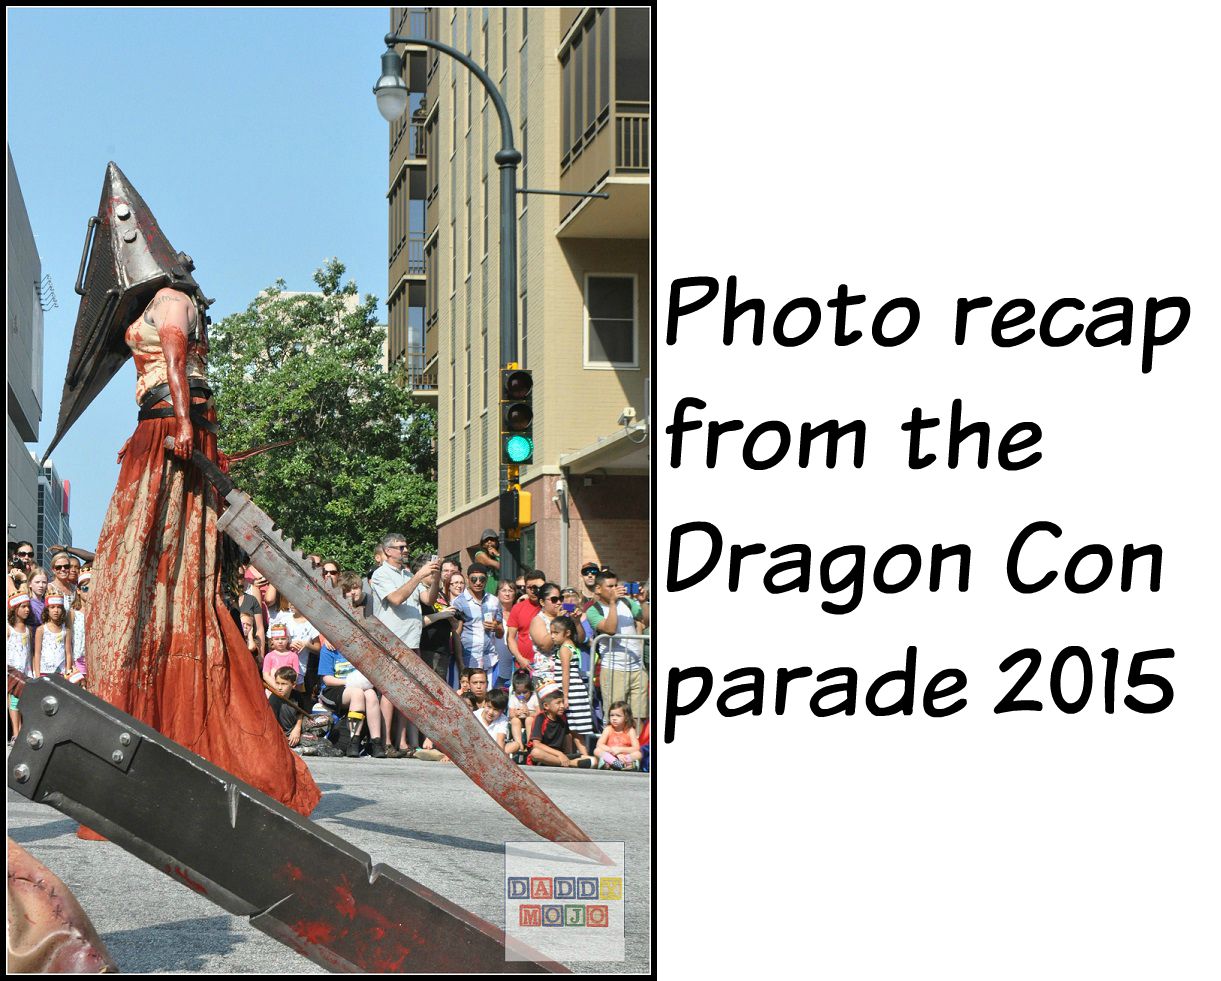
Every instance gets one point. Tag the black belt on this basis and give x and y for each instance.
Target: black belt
(162, 392)
(197, 416)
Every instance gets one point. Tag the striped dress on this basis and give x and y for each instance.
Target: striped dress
(580, 714)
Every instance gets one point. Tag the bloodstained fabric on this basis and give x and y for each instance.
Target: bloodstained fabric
(161, 645)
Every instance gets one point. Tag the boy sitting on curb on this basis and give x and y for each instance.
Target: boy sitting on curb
(551, 742)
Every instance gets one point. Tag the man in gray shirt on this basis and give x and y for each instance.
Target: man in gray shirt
(398, 595)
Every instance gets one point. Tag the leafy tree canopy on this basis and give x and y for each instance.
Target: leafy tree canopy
(308, 368)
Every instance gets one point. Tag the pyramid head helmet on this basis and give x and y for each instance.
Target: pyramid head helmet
(129, 261)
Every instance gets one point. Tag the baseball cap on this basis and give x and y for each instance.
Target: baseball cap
(489, 533)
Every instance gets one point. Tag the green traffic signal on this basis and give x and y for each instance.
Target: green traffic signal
(519, 449)
(516, 416)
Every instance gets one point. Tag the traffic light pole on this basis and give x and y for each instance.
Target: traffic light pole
(507, 158)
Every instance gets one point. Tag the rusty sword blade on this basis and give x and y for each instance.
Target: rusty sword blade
(295, 880)
(396, 671)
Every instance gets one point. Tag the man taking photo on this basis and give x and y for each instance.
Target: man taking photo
(399, 596)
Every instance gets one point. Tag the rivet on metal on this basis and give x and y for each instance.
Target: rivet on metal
(21, 773)
(116, 756)
(50, 705)
(129, 236)
(34, 740)
(123, 214)
(125, 739)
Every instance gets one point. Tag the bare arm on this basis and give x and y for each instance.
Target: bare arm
(173, 314)
(511, 641)
(540, 635)
(37, 665)
(565, 658)
(399, 596)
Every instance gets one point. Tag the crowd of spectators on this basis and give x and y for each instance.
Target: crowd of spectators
(547, 670)
(46, 616)
(558, 675)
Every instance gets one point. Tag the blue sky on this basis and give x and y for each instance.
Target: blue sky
(252, 134)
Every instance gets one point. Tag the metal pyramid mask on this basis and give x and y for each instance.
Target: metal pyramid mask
(129, 261)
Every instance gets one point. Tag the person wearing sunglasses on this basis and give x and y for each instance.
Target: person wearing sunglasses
(488, 555)
(517, 629)
(550, 598)
(61, 569)
(483, 624)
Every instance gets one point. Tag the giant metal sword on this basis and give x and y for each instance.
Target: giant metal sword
(248, 853)
(411, 685)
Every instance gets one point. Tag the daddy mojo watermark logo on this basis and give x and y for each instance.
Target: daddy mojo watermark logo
(563, 905)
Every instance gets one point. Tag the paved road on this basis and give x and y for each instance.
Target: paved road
(425, 819)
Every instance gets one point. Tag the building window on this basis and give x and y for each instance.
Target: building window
(483, 454)
(469, 234)
(453, 484)
(466, 470)
(525, 337)
(585, 83)
(610, 321)
(632, 54)
(453, 256)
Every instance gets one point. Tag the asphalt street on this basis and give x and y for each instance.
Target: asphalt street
(425, 819)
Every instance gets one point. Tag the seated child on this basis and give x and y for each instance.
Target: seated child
(523, 707)
(551, 742)
(306, 733)
(619, 747)
(492, 715)
(279, 656)
(280, 700)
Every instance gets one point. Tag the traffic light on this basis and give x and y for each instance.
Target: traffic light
(515, 509)
(516, 417)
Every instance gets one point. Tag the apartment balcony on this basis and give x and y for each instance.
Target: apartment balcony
(407, 261)
(611, 156)
(421, 375)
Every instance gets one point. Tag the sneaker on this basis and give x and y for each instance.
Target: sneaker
(376, 749)
(353, 749)
(585, 763)
(431, 755)
(393, 753)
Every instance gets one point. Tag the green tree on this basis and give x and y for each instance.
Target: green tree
(363, 460)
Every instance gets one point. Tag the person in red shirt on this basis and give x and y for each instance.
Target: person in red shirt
(518, 625)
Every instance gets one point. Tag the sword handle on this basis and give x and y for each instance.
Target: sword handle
(214, 473)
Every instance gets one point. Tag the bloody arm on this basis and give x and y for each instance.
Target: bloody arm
(172, 313)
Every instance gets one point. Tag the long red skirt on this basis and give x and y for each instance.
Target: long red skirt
(161, 644)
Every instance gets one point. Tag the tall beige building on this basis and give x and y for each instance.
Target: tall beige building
(577, 83)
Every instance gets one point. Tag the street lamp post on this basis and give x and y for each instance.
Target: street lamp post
(391, 94)
(392, 97)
